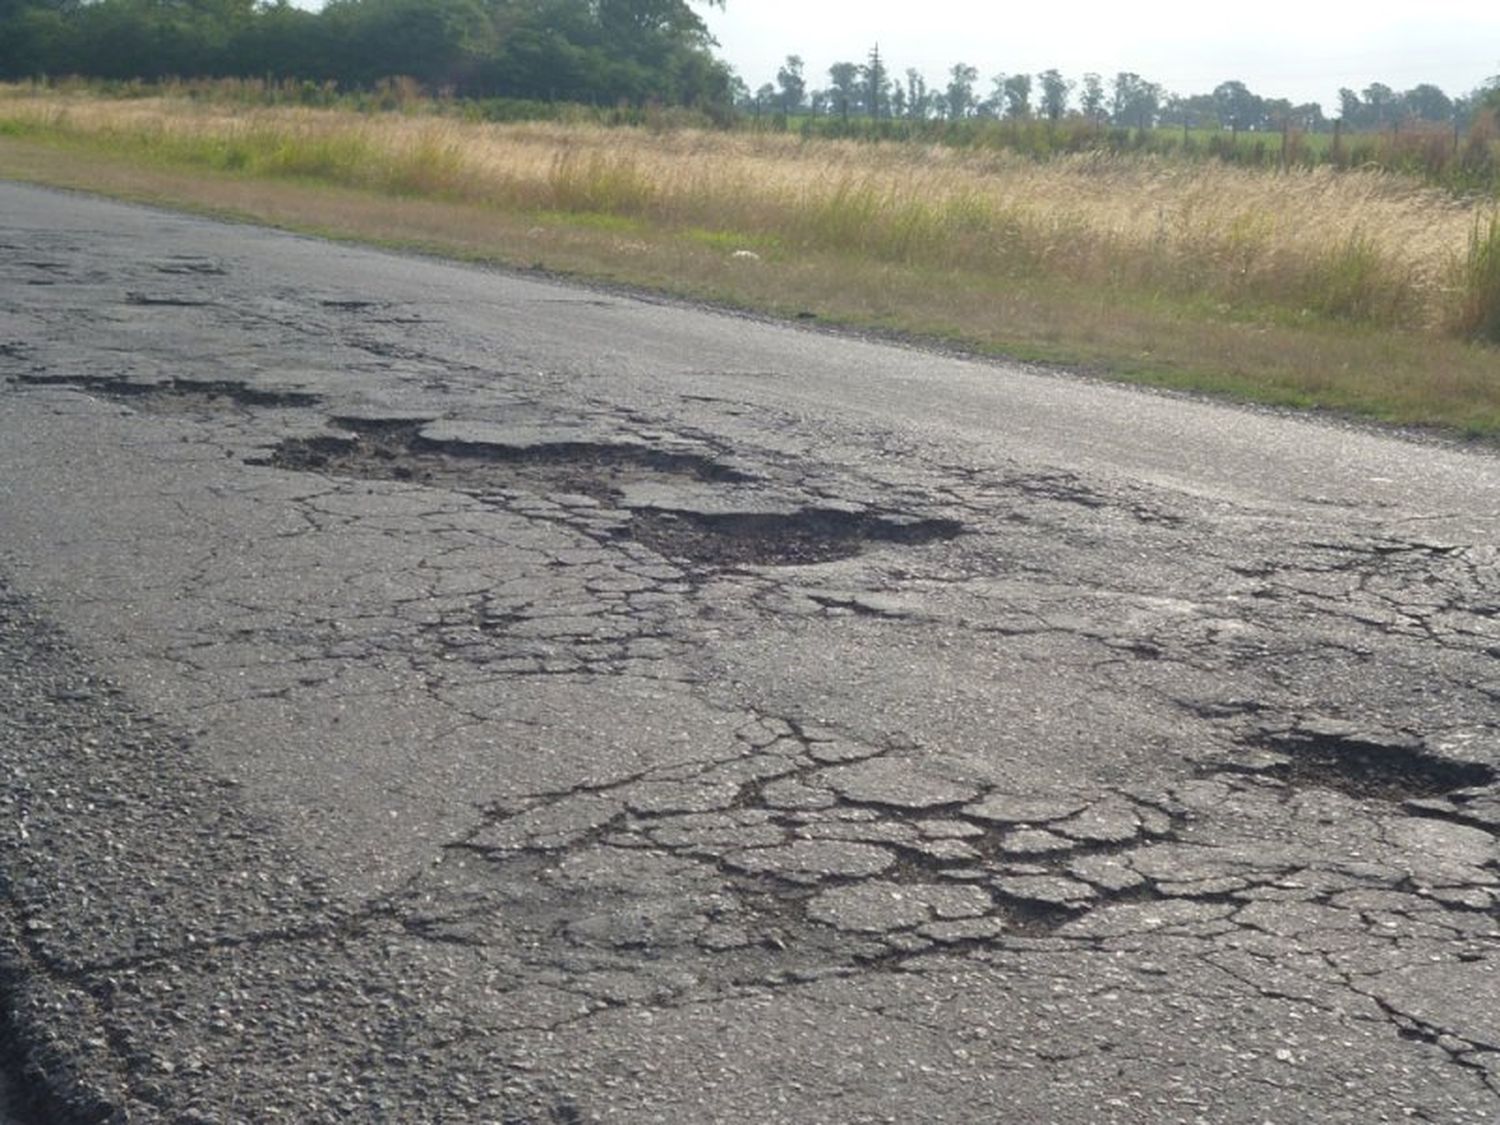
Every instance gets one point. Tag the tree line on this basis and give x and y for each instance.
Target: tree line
(1127, 100)
(609, 52)
(601, 52)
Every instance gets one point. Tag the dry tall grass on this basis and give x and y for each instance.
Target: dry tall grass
(1364, 246)
(1357, 291)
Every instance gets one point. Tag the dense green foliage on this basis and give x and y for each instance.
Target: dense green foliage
(589, 51)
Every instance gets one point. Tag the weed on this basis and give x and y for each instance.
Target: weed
(1356, 283)
(1479, 289)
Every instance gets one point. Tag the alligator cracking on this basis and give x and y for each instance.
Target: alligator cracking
(805, 850)
(825, 854)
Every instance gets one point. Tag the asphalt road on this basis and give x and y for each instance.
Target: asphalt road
(431, 694)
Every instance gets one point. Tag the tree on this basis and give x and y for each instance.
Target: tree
(642, 26)
(1091, 98)
(282, 41)
(994, 105)
(437, 42)
(918, 100)
(1309, 117)
(739, 94)
(960, 94)
(1380, 100)
(1351, 109)
(1197, 110)
(1134, 101)
(877, 85)
(1276, 113)
(1237, 107)
(1428, 103)
(793, 85)
(843, 88)
(765, 98)
(584, 50)
(1018, 96)
(1055, 91)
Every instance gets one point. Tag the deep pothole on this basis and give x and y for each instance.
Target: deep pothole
(406, 450)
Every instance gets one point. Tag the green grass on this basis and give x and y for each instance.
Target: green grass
(603, 222)
(730, 241)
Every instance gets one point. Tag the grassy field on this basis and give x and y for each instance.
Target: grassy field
(1353, 290)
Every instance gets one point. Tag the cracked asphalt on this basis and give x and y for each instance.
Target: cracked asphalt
(437, 695)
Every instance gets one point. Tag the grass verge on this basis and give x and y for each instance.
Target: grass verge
(1399, 370)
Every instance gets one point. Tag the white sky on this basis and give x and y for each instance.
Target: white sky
(1299, 49)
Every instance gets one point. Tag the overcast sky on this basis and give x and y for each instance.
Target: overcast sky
(1299, 49)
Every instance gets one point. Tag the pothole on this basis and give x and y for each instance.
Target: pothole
(1363, 764)
(808, 536)
(397, 450)
(486, 462)
(179, 396)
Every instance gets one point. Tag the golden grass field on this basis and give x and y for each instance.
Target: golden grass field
(1356, 290)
